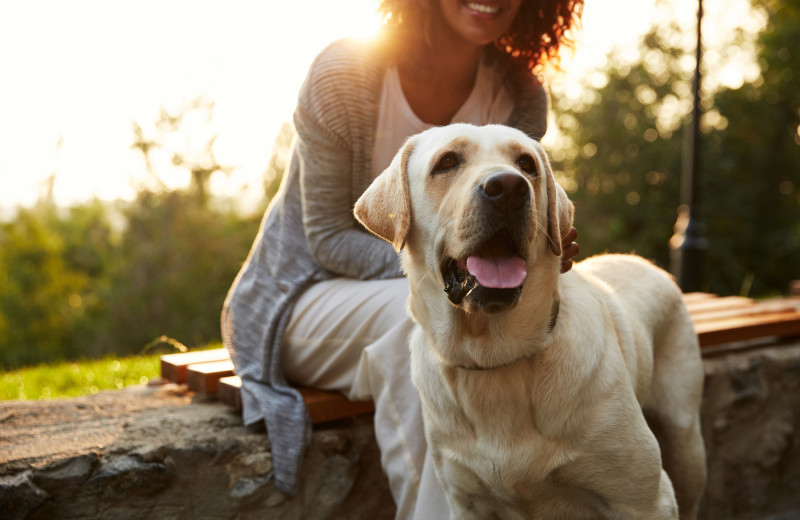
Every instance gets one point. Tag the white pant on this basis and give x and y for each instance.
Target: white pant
(352, 336)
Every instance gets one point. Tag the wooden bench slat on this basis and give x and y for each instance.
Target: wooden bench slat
(782, 324)
(173, 366)
(697, 296)
(230, 391)
(203, 378)
(324, 406)
(716, 304)
(766, 307)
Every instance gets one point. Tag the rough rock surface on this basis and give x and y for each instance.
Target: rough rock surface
(160, 453)
(751, 427)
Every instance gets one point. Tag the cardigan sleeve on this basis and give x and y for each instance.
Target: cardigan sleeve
(324, 153)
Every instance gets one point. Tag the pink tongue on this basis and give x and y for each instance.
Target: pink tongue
(498, 272)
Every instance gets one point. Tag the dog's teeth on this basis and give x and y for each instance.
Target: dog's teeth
(457, 293)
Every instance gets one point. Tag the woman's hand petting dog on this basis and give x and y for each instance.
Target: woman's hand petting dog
(570, 249)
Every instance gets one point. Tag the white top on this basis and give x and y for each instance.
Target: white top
(488, 103)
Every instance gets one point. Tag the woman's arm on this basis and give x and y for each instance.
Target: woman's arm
(335, 239)
(330, 105)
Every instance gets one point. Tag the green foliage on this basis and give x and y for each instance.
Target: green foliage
(71, 286)
(622, 152)
(177, 260)
(73, 379)
(50, 282)
(624, 174)
(751, 201)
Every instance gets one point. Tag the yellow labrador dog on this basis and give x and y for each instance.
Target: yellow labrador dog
(544, 395)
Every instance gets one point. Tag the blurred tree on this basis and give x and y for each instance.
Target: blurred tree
(173, 139)
(90, 252)
(52, 273)
(752, 171)
(177, 261)
(73, 285)
(620, 158)
(178, 254)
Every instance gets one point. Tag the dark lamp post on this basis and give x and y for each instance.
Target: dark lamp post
(688, 245)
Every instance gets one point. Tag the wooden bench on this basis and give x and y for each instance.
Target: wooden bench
(209, 372)
(718, 321)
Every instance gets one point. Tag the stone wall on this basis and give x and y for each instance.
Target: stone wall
(160, 453)
(751, 426)
(149, 453)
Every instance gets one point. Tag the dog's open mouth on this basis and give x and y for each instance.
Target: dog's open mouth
(492, 275)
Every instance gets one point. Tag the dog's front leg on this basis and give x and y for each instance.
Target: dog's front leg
(466, 498)
(667, 504)
(663, 506)
(461, 504)
(470, 510)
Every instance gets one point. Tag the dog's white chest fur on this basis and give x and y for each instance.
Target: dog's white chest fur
(509, 456)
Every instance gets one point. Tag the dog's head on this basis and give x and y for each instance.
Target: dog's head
(475, 208)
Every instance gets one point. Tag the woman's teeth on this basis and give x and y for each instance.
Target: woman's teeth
(481, 8)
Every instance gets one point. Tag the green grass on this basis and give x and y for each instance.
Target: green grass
(71, 379)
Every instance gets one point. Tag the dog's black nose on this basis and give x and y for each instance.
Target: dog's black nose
(506, 190)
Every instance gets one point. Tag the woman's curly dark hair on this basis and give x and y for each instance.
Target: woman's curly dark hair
(539, 30)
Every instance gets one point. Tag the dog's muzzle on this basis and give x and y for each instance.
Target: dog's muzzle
(490, 275)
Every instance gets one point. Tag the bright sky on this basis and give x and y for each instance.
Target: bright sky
(79, 72)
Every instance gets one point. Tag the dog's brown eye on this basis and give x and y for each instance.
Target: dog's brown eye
(527, 164)
(448, 161)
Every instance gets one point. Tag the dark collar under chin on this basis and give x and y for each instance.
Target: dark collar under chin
(550, 326)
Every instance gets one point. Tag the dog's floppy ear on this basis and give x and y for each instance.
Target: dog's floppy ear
(385, 208)
(559, 210)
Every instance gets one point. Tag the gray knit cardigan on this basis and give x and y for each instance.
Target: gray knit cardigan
(308, 233)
